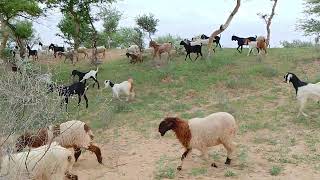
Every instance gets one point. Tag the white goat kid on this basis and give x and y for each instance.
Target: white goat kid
(304, 91)
(124, 88)
(252, 46)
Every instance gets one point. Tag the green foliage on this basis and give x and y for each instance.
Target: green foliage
(12, 8)
(127, 36)
(110, 17)
(148, 23)
(297, 43)
(275, 170)
(311, 25)
(23, 29)
(67, 27)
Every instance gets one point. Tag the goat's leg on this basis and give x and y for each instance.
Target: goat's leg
(238, 49)
(190, 56)
(96, 81)
(77, 153)
(249, 52)
(196, 57)
(79, 99)
(184, 155)
(186, 57)
(96, 150)
(230, 147)
(66, 99)
(302, 104)
(241, 48)
(86, 99)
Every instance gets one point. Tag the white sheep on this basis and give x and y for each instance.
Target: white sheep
(202, 133)
(124, 88)
(50, 162)
(75, 134)
(82, 50)
(101, 49)
(304, 91)
(133, 49)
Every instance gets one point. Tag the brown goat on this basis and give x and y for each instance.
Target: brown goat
(135, 58)
(160, 48)
(262, 44)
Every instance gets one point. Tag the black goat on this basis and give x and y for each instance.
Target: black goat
(56, 49)
(85, 76)
(33, 53)
(242, 41)
(216, 39)
(191, 49)
(78, 88)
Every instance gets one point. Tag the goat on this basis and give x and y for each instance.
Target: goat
(304, 91)
(160, 48)
(252, 45)
(33, 53)
(242, 41)
(262, 44)
(101, 49)
(191, 49)
(68, 55)
(56, 49)
(82, 50)
(78, 88)
(123, 88)
(135, 57)
(216, 40)
(85, 76)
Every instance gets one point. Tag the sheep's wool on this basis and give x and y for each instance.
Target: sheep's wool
(73, 133)
(42, 163)
(212, 130)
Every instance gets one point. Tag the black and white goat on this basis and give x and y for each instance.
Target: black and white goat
(191, 49)
(78, 88)
(216, 39)
(304, 90)
(56, 49)
(124, 88)
(33, 53)
(85, 76)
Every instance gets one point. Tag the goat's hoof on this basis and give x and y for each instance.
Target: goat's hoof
(214, 165)
(228, 161)
(179, 168)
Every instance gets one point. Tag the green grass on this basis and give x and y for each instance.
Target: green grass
(198, 171)
(275, 170)
(164, 169)
(229, 173)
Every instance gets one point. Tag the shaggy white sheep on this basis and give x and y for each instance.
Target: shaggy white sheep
(82, 50)
(133, 49)
(124, 88)
(202, 133)
(50, 162)
(75, 134)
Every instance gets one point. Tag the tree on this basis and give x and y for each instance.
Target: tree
(311, 25)
(148, 23)
(68, 30)
(110, 17)
(12, 9)
(268, 18)
(124, 37)
(223, 26)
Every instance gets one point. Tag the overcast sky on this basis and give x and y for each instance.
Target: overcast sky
(188, 18)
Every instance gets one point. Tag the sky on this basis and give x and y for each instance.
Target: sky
(188, 18)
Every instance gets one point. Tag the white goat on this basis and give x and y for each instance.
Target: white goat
(304, 91)
(124, 88)
(252, 46)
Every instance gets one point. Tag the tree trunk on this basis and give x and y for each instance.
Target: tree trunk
(5, 37)
(22, 47)
(269, 21)
(223, 27)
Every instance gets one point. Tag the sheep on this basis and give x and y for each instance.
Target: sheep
(82, 50)
(191, 49)
(304, 91)
(51, 162)
(124, 88)
(78, 88)
(262, 44)
(133, 49)
(101, 49)
(202, 133)
(71, 134)
(68, 55)
(135, 57)
(160, 48)
(33, 53)
(85, 76)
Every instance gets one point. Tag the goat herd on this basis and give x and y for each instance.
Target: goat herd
(195, 46)
(198, 133)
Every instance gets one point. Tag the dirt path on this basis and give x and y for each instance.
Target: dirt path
(126, 159)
